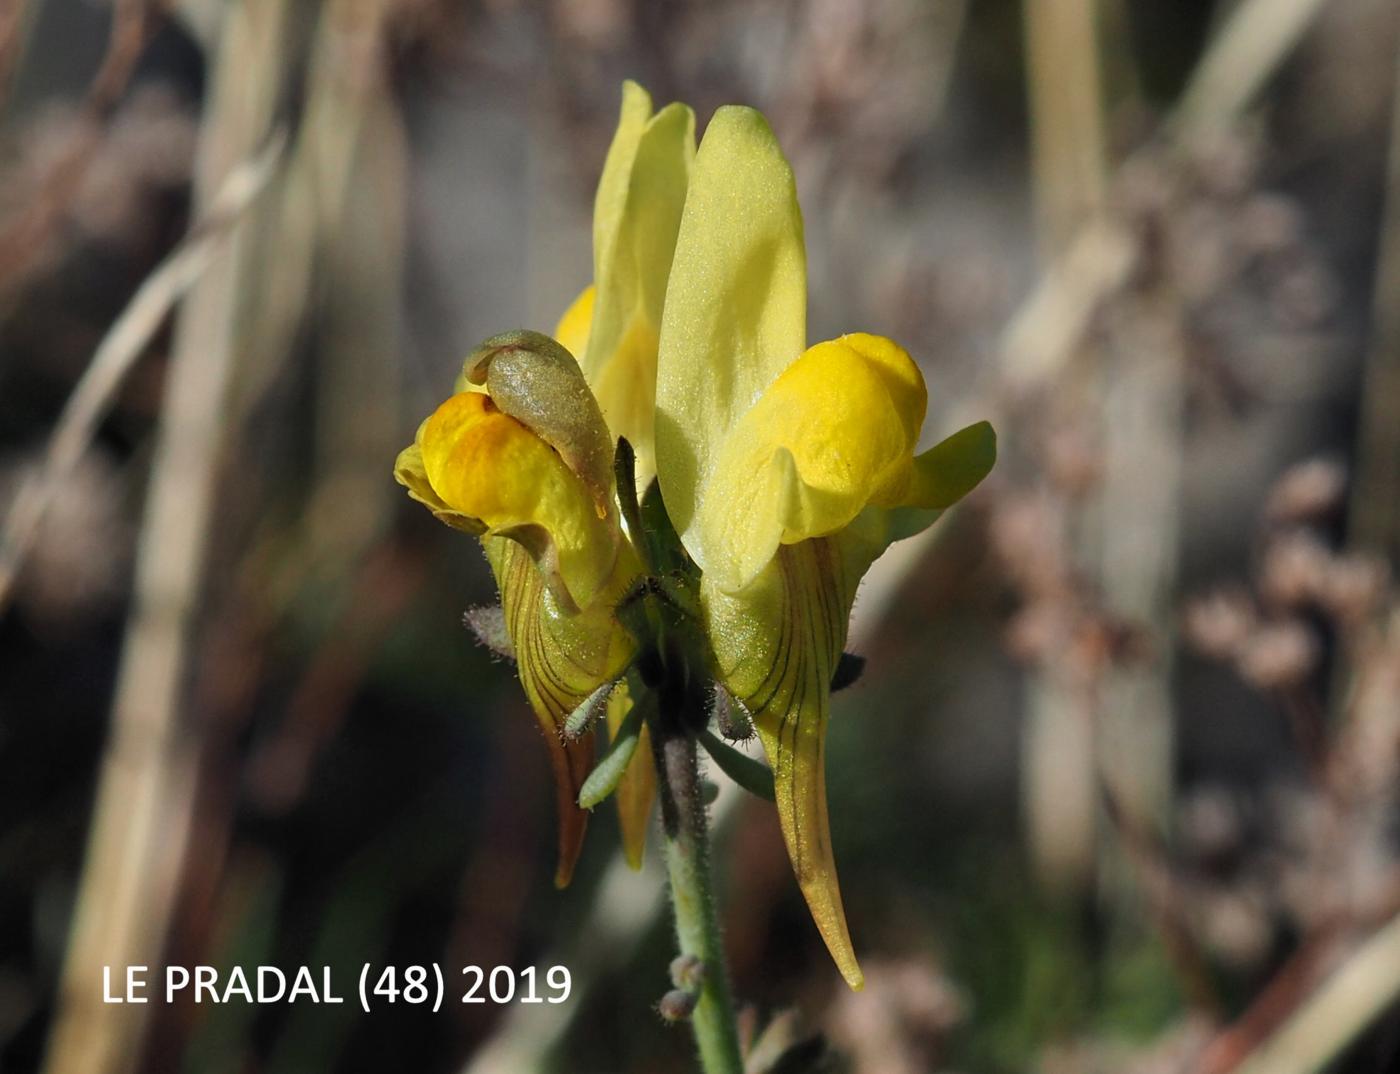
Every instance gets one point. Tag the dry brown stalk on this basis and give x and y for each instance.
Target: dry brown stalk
(146, 790)
(13, 18)
(119, 352)
(1348, 1001)
(1375, 503)
(23, 238)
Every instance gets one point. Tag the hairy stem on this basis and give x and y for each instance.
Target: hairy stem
(693, 900)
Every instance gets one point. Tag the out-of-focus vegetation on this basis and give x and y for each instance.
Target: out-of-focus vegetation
(1117, 791)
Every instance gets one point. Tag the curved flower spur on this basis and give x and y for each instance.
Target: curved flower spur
(772, 475)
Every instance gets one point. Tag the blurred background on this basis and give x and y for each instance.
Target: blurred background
(1118, 789)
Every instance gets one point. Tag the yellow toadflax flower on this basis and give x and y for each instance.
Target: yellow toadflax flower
(785, 469)
(782, 471)
(522, 456)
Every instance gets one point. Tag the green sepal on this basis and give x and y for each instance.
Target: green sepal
(753, 776)
(625, 480)
(488, 626)
(594, 705)
(608, 772)
(730, 716)
(663, 543)
(849, 668)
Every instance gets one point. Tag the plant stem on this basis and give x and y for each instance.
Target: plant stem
(693, 900)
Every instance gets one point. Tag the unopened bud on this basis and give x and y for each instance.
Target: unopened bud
(1356, 585)
(1295, 569)
(687, 973)
(731, 716)
(677, 1006)
(1279, 656)
(489, 625)
(1306, 492)
(1220, 623)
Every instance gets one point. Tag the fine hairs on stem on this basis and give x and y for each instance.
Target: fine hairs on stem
(692, 892)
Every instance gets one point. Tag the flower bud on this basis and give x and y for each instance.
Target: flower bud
(677, 1006)
(688, 973)
(1279, 656)
(488, 624)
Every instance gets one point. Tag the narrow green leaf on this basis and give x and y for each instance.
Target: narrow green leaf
(754, 776)
(594, 705)
(625, 478)
(668, 555)
(608, 772)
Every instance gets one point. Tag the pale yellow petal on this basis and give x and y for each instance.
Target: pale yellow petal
(631, 267)
(610, 200)
(736, 305)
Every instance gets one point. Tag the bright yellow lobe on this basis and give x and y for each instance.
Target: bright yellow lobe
(834, 432)
(486, 464)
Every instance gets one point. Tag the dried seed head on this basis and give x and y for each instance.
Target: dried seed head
(1270, 223)
(1210, 825)
(1145, 186)
(1218, 624)
(677, 1006)
(1039, 629)
(1306, 492)
(1305, 296)
(1355, 586)
(1295, 570)
(1073, 460)
(900, 1020)
(76, 566)
(1279, 656)
(1226, 165)
(1026, 531)
(1237, 926)
(488, 624)
(687, 973)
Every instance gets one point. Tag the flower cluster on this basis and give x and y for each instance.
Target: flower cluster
(771, 475)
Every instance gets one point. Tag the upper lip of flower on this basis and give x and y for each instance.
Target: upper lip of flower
(636, 220)
(526, 456)
(761, 440)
